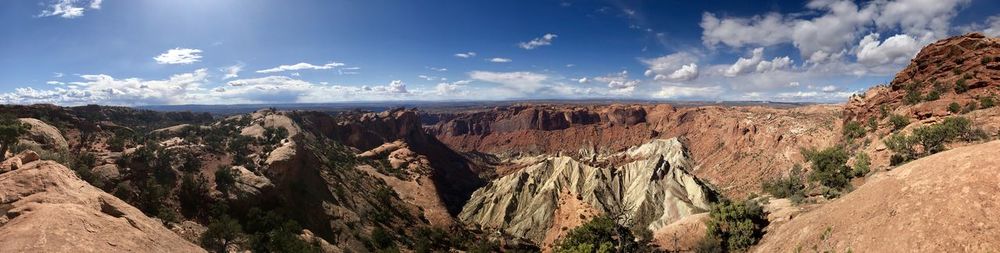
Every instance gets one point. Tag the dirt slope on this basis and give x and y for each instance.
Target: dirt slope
(942, 203)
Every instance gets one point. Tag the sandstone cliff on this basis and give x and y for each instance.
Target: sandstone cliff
(650, 186)
(47, 208)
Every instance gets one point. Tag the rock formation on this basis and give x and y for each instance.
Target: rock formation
(735, 148)
(46, 208)
(649, 185)
(946, 202)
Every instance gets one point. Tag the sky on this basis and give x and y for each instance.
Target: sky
(173, 52)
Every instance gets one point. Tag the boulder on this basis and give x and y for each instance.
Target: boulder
(44, 135)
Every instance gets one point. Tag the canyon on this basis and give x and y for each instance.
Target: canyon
(518, 177)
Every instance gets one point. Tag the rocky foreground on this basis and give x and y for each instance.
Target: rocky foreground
(942, 203)
(45, 207)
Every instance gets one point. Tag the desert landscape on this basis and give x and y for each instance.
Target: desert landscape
(907, 165)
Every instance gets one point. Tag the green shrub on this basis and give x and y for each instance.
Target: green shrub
(862, 164)
(986, 102)
(986, 59)
(853, 130)
(883, 111)
(960, 86)
(898, 121)
(829, 167)
(954, 107)
(931, 138)
(600, 234)
(872, 124)
(933, 95)
(735, 226)
(221, 233)
(224, 179)
(790, 187)
(10, 130)
(912, 96)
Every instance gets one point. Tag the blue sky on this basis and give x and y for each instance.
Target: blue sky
(145, 52)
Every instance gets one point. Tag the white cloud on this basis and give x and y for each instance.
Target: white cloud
(832, 33)
(179, 56)
(55, 83)
(500, 60)
(438, 69)
(770, 29)
(57, 74)
(685, 73)
(431, 78)
(469, 54)
(898, 49)
(619, 82)
(829, 88)
(69, 8)
(756, 63)
(583, 80)
(105, 89)
(520, 81)
(673, 92)
(232, 71)
(923, 19)
(991, 27)
(676, 67)
(301, 66)
(545, 40)
(453, 88)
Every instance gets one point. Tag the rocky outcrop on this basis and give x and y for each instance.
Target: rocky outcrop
(971, 59)
(46, 208)
(651, 186)
(18, 161)
(946, 202)
(43, 135)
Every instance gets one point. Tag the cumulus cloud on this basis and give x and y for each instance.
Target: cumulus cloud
(232, 71)
(766, 30)
(519, 81)
(469, 54)
(179, 56)
(831, 34)
(545, 40)
(897, 49)
(105, 89)
(301, 66)
(453, 88)
(69, 8)
(756, 63)
(676, 92)
(991, 27)
(500, 60)
(676, 67)
(924, 19)
(619, 82)
(685, 73)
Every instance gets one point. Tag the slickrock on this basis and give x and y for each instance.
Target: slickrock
(946, 202)
(46, 208)
(44, 135)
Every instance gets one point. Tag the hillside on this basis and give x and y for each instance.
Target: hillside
(941, 203)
